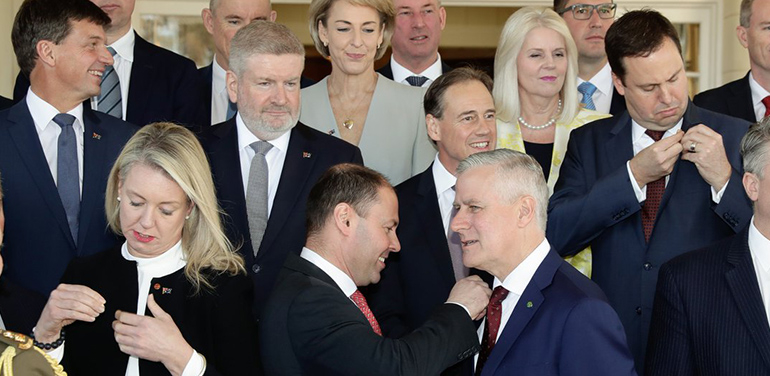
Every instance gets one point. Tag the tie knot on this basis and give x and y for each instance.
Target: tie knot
(357, 297)
(498, 295)
(587, 88)
(64, 120)
(416, 80)
(655, 135)
(261, 147)
(766, 101)
(112, 51)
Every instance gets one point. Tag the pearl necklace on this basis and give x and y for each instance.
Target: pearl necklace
(544, 126)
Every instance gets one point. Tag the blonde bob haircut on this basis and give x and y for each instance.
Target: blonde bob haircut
(506, 89)
(319, 12)
(174, 150)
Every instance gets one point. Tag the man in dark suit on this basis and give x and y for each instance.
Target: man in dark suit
(544, 317)
(639, 202)
(154, 84)
(318, 323)
(266, 215)
(588, 21)
(5, 103)
(711, 307)
(461, 121)
(747, 98)
(415, 60)
(55, 154)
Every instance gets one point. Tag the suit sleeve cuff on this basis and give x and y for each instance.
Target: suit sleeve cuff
(464, 307)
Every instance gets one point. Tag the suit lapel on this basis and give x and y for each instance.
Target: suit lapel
(93, 165)
(142, 79)
(618, 146)
(429, 214)
(22, 131)
(740, 102)
(742, 281)
(206, 75)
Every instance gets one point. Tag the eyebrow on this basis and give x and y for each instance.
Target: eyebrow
(351, 24)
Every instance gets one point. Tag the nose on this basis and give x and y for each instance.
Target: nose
(485, 127)
(105, 56)
(147, 219)
(459, 222)
(279, 95)
(395, 245)
(419, 20)
(595, 21)
(665, 95)
(358, 40)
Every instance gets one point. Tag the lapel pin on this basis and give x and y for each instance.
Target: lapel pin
(96, 136)
(156, 286)
(529, 304)
(166, 290)
(306, 154)
(331, 132)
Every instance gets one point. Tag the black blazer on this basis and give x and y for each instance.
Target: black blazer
(217, 323)
(38, 244)
(164, 87)
(5, 103)
(733, 98)
(709, 318)
(312, 328)
(309, 155)
(19, 307)
(387, 71)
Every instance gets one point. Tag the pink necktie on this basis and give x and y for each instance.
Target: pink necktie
(360, 301)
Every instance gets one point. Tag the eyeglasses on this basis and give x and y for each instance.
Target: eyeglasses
(585, 11)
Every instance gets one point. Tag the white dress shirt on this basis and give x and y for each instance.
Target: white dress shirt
(516, 282)
(343, 281)
(759, 247)
(48, 132)
(400, 73)
(124, 59)
(444, 181)
(220, 101)
(604, 89)
(757, 94)
(274, 158)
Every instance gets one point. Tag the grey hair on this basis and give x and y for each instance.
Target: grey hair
(517, 175)
(754, 147)
(745, 15)
(262, 38)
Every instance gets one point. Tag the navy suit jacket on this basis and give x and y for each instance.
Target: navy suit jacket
(561, 325)
(618, 103)
(732, 98)
(163, 87)
(5, 103)
(309, 155)
(38, 244)
(387, 71)
(709, 318)
(594, 204)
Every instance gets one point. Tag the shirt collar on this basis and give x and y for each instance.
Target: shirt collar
(246, 138)
(400, 73)
(520, 277)
(342, 280)
(759, 247)
(637, 131)
(164, 264)
(43, 112)
(124, 46)
(602, 80)
(441, 177)
(218, 74)
(757, 91)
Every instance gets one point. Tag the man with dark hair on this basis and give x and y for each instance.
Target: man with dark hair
(55, 153)
(461, 121)
(711, 307)
(661, 179)
(318, 323)
(146, 83)
(747, 98)
(588, 21)
(265, 161)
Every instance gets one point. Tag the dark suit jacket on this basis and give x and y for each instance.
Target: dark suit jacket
(164, 87)
(561, 325)
(206, 76)
(309, 155)
(387, 71)
(733, 98)
(594, 204)
(38, 244)
(5, 103)
(618, 103)
(314, 329)
(217, 323)
(709, 318)
(19, 307)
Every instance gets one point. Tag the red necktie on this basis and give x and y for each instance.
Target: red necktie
(360, 301)
(766, 102)
(655, 191)
(491, 326)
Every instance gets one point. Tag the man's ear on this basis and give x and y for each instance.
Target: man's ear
(343, 215)
(434, 131)
(527, 210)
(743, 36)
(231, 82)
(618, 84)
(46, 52)
(751, 185)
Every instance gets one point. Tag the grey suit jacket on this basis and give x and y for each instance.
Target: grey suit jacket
(395, 141)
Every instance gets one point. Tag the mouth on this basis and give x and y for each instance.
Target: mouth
(480, 145)
(381, 259)
(144, 238)
(356, 56)
(96, 73)
(419, 38)
(109, 7)
(548, 78)
(468, 243)
(668, 112)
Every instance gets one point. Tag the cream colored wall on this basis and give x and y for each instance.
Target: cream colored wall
(735, 59)
(8, 66)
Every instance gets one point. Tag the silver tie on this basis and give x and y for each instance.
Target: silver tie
(109, 98)
(256, 194)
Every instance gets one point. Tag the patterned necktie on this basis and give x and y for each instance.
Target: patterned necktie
(256, 194)
(655, 191)
(766, 102)
(491, 326)
(587, 89)
(416, 81)
(110, 98)
(455, 247)
(67, 176)
(360, 301)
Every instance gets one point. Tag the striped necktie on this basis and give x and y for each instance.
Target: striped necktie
(110, 101)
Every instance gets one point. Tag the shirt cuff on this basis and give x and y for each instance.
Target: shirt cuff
(641, 193)
(717, 196)
(57, 353)
(195, 366)
(464, 307)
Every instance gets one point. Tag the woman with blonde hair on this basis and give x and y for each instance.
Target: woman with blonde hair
(383, 118)
(174, 298)
(536, 93)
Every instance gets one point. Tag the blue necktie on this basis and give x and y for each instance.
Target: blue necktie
(232, 108)
(587, 89)
(416, 81)
(67, 176)
(110, 98)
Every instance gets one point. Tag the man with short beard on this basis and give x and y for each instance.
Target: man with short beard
(263, 160)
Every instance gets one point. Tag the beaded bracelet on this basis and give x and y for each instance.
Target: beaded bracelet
(48, 346)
